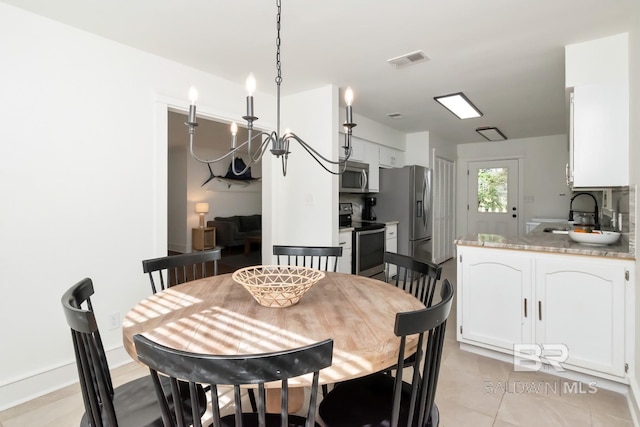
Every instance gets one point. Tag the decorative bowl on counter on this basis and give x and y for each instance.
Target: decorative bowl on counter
(277, 286)
(594, 237)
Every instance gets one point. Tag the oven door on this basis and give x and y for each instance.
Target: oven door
(368, 254)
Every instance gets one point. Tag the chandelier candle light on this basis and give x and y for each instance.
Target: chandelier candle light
(279, 142)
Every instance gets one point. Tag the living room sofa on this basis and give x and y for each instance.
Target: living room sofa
(231, 231)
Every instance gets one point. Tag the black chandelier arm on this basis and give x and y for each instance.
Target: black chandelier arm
(261, 149)
(317, 156)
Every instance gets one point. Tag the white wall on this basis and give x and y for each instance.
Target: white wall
(545, 190)
(83, 176)
(445, 149)
(303, 205)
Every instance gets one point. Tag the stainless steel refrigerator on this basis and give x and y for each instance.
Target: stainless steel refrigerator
(405, 196)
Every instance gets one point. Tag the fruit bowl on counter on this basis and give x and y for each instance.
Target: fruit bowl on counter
(594, 237)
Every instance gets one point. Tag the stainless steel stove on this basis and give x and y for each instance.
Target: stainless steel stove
(368, 244)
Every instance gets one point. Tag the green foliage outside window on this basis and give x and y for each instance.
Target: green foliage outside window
(492, 190)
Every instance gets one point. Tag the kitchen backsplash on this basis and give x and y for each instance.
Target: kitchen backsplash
(357, 200)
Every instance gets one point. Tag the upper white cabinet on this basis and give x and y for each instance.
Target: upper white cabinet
(390, 157)
(358, 148)
(599, 136)
(373, 159)
(599, 124)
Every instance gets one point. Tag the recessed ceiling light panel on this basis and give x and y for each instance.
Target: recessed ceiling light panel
(459, 105)
(491, 133)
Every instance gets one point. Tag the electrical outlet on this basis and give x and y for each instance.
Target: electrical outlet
(114, 321)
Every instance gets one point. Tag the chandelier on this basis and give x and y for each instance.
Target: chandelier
(279, 142)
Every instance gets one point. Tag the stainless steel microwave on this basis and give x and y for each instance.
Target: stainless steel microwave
(355, 178)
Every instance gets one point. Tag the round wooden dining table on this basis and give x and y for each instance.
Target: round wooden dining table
(215, 315)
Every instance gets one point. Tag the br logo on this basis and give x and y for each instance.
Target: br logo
(531, 357)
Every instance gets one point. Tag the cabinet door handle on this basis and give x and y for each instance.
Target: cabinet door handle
(525, 307)
(540, 310)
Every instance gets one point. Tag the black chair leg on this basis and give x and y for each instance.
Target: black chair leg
(325, 389)
(252, 399)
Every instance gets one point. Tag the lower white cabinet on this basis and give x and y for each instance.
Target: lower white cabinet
(494, 288)
(508, 297)
(344, 264)
(391, 245)
(580, 303)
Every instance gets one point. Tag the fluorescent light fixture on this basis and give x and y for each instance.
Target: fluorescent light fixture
(459, 105)
(491, 133)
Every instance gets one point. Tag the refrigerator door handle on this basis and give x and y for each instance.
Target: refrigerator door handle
(426, 197)
(419, 209)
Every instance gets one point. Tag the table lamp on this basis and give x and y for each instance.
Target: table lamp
(201, 209)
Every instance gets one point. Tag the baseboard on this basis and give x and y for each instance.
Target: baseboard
(175, 247)
(22, 390)
(633, 402)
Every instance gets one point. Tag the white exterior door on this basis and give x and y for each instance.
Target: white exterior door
(492, 201)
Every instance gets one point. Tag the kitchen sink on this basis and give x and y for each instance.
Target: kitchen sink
(557, 230)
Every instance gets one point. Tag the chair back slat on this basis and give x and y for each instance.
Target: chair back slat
(430, 325)
(181, 268)
(91, 360)
(417, 277)
(319, 257)
(237, 371)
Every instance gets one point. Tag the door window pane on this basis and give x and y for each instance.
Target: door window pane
(492, 190)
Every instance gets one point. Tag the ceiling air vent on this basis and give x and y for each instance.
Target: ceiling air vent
(408, 59)
(395, 116)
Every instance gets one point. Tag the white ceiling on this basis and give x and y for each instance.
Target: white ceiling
(507, 56)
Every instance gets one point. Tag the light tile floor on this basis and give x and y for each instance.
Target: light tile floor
(471, 392)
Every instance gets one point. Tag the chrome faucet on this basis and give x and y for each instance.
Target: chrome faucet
(596, 213)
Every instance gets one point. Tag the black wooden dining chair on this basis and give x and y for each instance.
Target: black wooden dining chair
(382, 400)
(181, 268)
(417, 277)
(132, 404)
(319, 257)
(242, 370)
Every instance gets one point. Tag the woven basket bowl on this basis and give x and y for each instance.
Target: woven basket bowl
(277, 285)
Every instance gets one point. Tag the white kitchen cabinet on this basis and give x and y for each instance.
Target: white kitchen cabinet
(508, 297)
(599, 136)
(358, 148)
(344, 240)
(494, 297)
(391, 245)
(598, 73)
(373, 159)
(580, 303)
(390, 157)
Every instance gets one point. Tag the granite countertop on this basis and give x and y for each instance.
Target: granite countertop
(539, 240)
